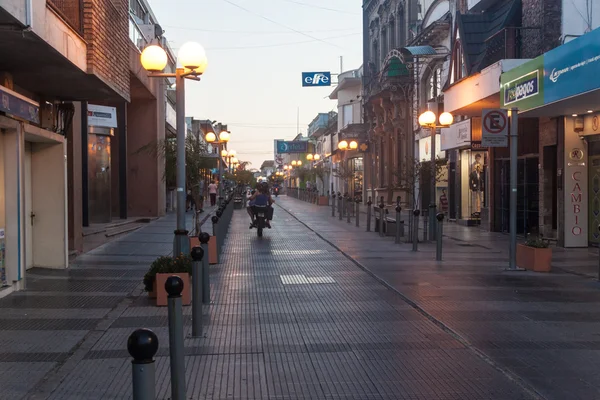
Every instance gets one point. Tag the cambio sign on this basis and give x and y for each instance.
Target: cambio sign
(316, 79)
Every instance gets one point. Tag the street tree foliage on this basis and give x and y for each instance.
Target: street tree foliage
(344, 172)
(410, 177)
(196, 160)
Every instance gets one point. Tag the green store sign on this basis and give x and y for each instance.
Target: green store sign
(523, 86)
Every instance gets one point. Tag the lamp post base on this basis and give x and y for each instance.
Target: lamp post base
(181, 243)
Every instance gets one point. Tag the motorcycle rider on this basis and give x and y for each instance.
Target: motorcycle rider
(262, 197)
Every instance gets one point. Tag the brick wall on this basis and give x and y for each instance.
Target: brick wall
(106, 29)
(543, 14)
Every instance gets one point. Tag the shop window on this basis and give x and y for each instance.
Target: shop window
(347, 111)
(473, 183)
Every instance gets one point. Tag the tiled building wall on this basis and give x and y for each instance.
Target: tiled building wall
(106, 29)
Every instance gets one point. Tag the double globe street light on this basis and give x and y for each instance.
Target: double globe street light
(223, 138)
(193, 61)
(429, 120)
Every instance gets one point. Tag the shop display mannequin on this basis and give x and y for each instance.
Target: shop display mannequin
(476, 186)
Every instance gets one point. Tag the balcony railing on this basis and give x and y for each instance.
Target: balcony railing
(136, 35)
(69, 10)
(511, 43)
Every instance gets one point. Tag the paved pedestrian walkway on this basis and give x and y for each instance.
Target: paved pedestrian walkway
(291, 318)
(541, 328)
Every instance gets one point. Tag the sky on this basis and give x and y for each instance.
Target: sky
(257, 50)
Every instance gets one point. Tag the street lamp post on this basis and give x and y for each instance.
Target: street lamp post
(192, 58)
(428, 120)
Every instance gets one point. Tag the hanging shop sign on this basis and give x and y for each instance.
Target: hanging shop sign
(14, 104)
(287, 147)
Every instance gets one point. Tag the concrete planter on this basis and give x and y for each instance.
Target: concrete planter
(161, 293)
(323, 201)
(534, 259)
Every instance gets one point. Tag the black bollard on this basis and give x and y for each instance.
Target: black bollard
(369, 204)
(349, 207)
(415, 236)
(357, 211)
(340, 210)
(197, 256)
(204, 239)
(438, 247)
(215, 223)
(333, 205)
(174, 287)
(142, 346)
(399, 227)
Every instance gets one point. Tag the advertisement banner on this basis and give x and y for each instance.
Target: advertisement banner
(456, 136)
(572, 68)
(316, 79)
(102, 116)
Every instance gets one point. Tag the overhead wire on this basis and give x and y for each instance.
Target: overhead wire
(280, 24)
(318, 7)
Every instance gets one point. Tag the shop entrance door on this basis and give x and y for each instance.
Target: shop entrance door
(99, 174)
(527, 195)
(29, 213)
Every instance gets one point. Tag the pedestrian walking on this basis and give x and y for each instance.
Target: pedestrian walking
(212, 191)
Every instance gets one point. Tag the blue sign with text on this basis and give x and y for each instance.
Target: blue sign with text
(316, 79)
(572, 68)
(291, 147)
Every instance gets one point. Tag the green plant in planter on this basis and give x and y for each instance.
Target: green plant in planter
(167, 265)
(536, 241)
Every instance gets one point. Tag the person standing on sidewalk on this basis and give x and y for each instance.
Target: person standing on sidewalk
(212, 191)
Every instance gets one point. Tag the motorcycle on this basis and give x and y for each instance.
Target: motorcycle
(260, 213)
(276, 192)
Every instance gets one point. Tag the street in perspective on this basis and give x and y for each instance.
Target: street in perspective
(286, 199)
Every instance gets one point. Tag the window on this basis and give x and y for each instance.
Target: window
(401, 27)
(393, 35)
(459, 69)
(375, 56)
(384, 47)
(434, 86)
(347, 115)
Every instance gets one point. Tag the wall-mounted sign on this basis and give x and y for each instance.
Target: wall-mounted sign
(457, 135)
(102, 116)
(575, 189)
(316, 79)
(20, 106)
(523, 86)
(572, 68)
(288, 147)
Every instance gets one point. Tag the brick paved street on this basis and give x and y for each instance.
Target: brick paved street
(292, 318)
(541, 327)
(296, 317)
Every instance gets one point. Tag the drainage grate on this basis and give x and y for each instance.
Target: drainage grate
(303, 280)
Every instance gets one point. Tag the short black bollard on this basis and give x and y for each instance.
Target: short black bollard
(197, 285)
(142, 346)
(204, 239)
(398, 217)
(340, 210)
(348, 208)
(381, 221)
(220, 201)
(333, 205)
(215, 225)
(174, 287)
(357, 212)
(438, 247)
(415, 236)
(369, 204)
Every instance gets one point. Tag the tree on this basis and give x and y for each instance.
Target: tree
(319, 172)
(196, 160)
(344, 172)
(413, 173)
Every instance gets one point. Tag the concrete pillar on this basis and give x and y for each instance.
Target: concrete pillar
(74, 182)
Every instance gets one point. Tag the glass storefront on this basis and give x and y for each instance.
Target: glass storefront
(473, 172)
(357, 180)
